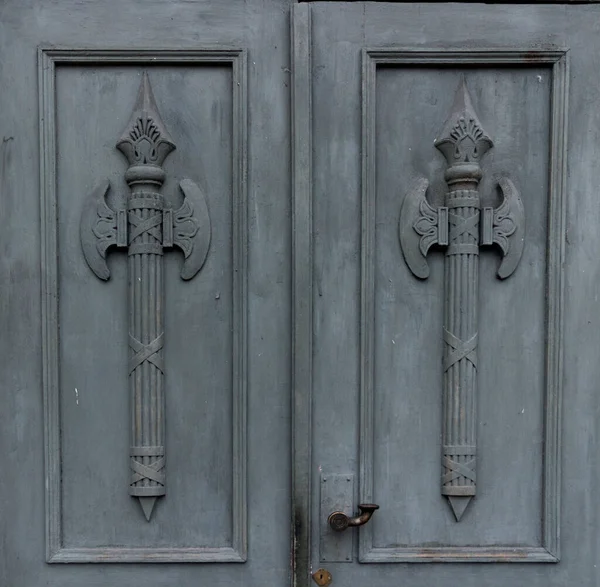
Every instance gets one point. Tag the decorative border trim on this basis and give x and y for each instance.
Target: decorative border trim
(549, 550)
(47, 60)
(302, 292)
(532, 2)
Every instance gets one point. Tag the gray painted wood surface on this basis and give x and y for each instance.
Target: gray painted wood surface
(390, 436)
(286, 367)
(227, 396)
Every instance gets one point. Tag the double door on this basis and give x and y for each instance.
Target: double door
(268, 265)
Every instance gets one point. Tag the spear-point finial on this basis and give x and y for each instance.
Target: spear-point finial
(462, 139)
(147, 504)
(459, 505)
(145, 140)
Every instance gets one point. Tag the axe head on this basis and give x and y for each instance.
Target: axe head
(191, 228)
(98, 230)
(418, 228)
(505, 227)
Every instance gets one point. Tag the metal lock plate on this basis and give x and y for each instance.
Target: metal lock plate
(337, 494)
(322, 577)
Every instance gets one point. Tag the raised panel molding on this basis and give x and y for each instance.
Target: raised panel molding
(469, 1)
(556, 59)
(48, 59)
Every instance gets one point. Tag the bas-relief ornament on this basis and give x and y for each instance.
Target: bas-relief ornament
(461, 228)
(146, 226)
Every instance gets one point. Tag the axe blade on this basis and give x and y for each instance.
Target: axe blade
(191, 228)
(98, 230)
(417, 228)
(509, 228)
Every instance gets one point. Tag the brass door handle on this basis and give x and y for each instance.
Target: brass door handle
(339, 521)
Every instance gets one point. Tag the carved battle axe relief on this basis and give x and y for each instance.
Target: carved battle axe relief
(461, 226)
(146, 225)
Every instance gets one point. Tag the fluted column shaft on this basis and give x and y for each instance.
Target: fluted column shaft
(146, 331)
(461, 284)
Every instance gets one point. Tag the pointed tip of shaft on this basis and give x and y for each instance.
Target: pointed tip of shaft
(147, 504)
(463, 138)
(145, 139)
(462, 105)
(462, 98)
(145, 100)
(459, 505)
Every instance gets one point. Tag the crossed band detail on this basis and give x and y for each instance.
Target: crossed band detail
(460, 226)
(146, 352)
(459, 349)
(454, 469)
(152, 471)
(149, 225)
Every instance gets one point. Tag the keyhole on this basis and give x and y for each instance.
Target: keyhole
(322, 577)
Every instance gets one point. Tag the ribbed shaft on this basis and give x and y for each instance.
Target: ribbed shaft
(145, 213)
(460, 344)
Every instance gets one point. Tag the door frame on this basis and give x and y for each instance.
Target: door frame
(302, 291)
